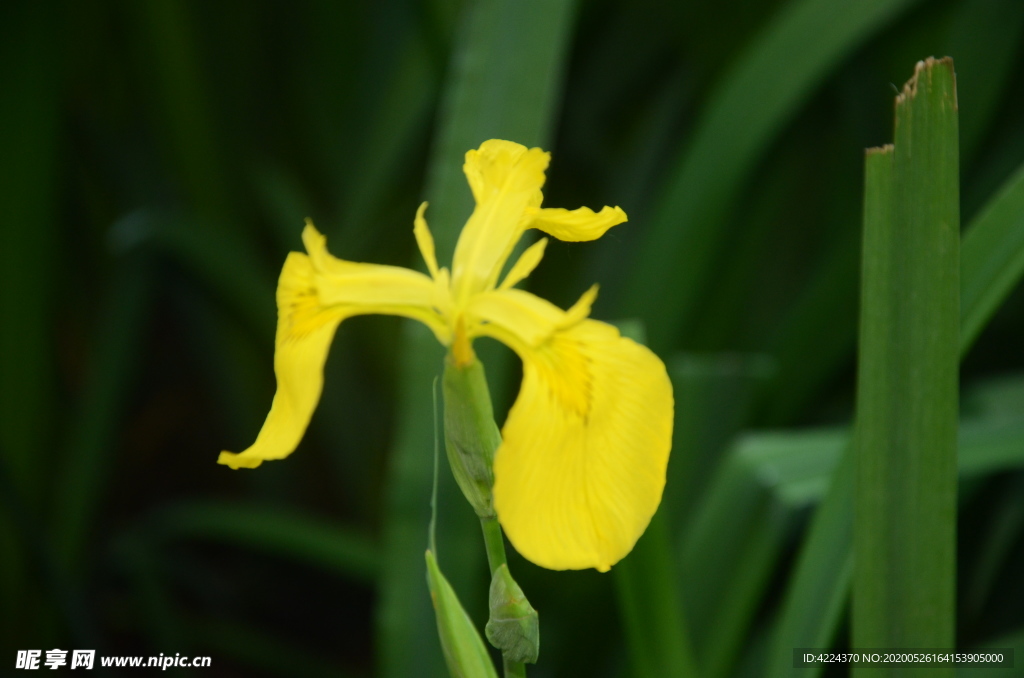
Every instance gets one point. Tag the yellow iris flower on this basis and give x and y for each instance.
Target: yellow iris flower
(581, 467)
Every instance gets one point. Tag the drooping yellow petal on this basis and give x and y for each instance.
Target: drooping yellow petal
(315, 292)
(576, 225)
(582, 464)
(506, 179)
(304, 333)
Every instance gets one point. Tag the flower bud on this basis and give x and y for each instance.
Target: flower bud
(514, 627)
(470, 434)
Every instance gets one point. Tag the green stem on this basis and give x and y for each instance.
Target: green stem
(494, 541)
(472, 438)
(514, 669)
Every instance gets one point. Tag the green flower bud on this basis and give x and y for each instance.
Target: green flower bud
(464, 650)
(470, 434)
(514, 627)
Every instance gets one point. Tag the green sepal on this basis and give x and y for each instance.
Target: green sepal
(464, 650)
(470, 434)
(514, 627)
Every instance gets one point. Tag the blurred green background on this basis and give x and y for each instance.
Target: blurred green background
(157, 160)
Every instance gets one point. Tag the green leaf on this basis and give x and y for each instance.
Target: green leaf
(817, 591)
(733, 542)
(992, 263)
(274, 530)
(992, 260)
(818, 338)
(783, 473)
(779, 71)
(651, 605)
(464, 650)
(904, 587)
(713, 399)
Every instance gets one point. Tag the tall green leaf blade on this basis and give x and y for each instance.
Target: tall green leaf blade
(904, 587)
(403, 108)
(817, 592)
(824, 565)
(779, 71)
(713, 398)
(992, 261)
(504, 75)
(726, 559)
(819, 336)
(504, 84)
(651, 605)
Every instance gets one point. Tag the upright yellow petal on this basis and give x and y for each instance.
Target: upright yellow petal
(424, 240)
(506, 179)
(525, 265)
(582, 464)
(316, 292)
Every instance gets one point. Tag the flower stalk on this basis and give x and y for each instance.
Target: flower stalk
(471, 439)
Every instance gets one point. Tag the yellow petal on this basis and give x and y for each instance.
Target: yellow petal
(579, 224)
(314, 294)
(425, 240)
(362, 289)
(581, 309)
(525, 265)
(581, 468)
(514, 317)
(304, 333)
(506, 179)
